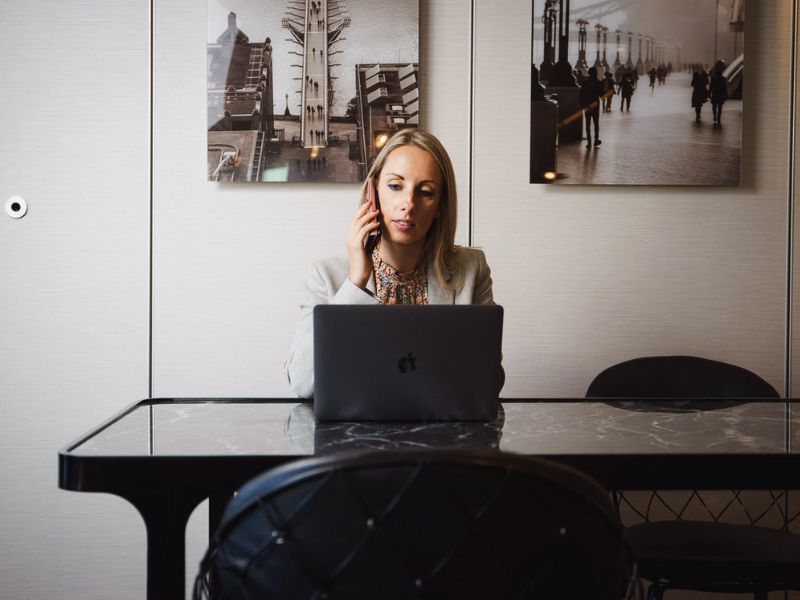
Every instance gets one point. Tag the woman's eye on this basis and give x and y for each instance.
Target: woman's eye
(427, 193)
(394, 187)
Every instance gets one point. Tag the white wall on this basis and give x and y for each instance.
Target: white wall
(591, 276)
(228, 259)
(587, 276)
(73, 284)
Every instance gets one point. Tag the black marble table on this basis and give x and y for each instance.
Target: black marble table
(166, 456)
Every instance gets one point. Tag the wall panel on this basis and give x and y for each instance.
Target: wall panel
(74, 284)
(229, 259)
(588, 276)
(591, 276)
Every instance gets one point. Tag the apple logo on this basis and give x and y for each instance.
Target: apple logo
(407, 363)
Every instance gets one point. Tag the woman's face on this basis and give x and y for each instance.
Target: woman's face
(409, 190)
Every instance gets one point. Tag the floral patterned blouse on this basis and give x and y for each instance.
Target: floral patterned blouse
(393, 287)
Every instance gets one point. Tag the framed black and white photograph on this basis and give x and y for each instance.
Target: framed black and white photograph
(637, 92)
(308, 90)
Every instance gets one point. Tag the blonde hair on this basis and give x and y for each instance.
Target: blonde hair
(440, 244)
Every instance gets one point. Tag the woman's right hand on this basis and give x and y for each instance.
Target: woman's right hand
(364, 223)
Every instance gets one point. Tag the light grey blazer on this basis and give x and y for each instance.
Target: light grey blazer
(327, 283)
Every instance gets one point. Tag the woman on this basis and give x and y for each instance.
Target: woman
(608, 91)
(415, 260)
(699, 92)
(625, 91)
(718, 91)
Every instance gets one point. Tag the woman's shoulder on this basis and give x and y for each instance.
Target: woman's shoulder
(469, 259)
(332, 264)
(332, 268)
(468, 254)
(327, 282)
(327, 272)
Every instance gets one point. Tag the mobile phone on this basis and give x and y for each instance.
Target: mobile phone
(371, 198)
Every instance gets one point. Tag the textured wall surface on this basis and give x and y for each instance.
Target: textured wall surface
(229, 259)
(588, 276)
(73, 285)
(591, 276)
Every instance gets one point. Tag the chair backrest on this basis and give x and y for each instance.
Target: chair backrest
(678, 377)
(418, 524)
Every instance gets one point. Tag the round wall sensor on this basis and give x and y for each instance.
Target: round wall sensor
(16, 207)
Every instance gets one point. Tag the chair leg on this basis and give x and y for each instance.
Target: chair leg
(655, 592)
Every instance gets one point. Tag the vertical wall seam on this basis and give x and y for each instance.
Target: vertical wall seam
(150, 249)
(790, 225)
(471, 210)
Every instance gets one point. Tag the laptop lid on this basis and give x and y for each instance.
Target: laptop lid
(407, 362)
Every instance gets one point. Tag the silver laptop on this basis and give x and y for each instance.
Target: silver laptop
(407, 363)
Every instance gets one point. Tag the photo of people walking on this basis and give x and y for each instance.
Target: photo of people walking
(640, 75)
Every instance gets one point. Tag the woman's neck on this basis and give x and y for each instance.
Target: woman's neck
(404, 258)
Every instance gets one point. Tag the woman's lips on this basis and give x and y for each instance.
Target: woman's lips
(404, 225)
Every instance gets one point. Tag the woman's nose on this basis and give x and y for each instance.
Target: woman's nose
(408, 201)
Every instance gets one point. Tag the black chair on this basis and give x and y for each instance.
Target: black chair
(678, 377)
(702, 555)
(417, 524)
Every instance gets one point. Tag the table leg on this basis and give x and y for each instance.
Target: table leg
(165, 515)
(166, 553)
(216, 506)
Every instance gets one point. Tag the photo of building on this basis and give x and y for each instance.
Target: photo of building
(307, 90)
